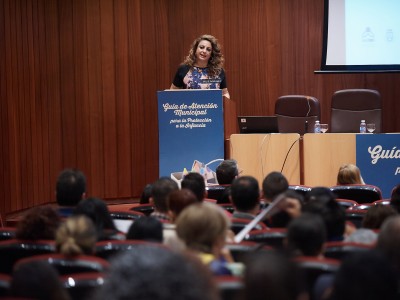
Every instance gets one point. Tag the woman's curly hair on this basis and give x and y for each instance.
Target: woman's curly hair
(216, 60)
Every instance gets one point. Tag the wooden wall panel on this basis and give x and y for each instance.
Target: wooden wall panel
(78, 82)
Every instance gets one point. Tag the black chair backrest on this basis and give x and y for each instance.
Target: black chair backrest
(339, 250)
(70, 265)
(293, 111)
(7, 233)
(107, 249)
(219, 193)
(146, 209)
(273, 237)
(13, 250)
(82, 286)
(361, 193)
(349, 107)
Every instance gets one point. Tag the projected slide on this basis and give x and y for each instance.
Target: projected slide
(362, 32)
(372, 32)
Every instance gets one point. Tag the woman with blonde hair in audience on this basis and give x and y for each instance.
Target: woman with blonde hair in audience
(203, 227)
(349, 174)
(76, 236)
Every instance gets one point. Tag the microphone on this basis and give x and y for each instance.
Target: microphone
(306, 127)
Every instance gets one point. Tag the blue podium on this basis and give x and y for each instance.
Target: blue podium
(191, 131)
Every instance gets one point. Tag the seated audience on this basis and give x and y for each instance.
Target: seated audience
(274, 184)
(389, 241)
(76, 236)
(204, 227)
(272, 276)
(290, 209)
(322, 201)
(70, 189)
(161, 188)
(177, 202)
(37, 280)
(157, 274)
(146, 229)
(146, 194)
(39, 223)
(349, 174)
(373, 220)
(226, 172)
(195, 182)
(395, 198)
(365, 275)
(245, 197)
(97, 210)
(306, 236)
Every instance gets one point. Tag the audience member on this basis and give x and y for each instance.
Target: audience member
(306, 236)
(395, 198)
(349, 174)
(177, 202)
(376, 215)
(39, 223)
(373, 220)
(321, 201)
(290, 209)
(365, 275)
(146, 194)
(272, 276)
(195, 182)
(146, 229)
(389, 240)
(158, 274)
(37, 280)
(159, 194)
(204, 227)
(70, 189)
(97, 210)
(274, 184)
(245, 196)
(227, 171)
(76, 236)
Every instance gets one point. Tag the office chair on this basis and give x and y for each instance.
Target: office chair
(350, 106)
(297, 113)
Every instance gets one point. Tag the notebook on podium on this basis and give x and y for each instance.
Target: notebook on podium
(258, 124)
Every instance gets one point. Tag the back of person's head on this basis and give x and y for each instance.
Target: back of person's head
(156, 273)
(70, 187)
(292, 209)
(227, 171)
(39, 223)
(395, 198)
(365, 275)
(376, 215)
(270, 275)
(195, 182)
(201, 226)
(306, 235)
(146, 194)
(160, 191)
(274, 184)
(146, 229)
(37, 280)
(245, 193)
(389, 240)
(349, 174)
(76, 236)
(96, 210)
(178, 200)
(322, 201)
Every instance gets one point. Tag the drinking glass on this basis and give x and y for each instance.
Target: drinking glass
(324, 128)
(371, 127)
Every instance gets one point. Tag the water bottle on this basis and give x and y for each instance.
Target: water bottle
(317, 127)
(363, 127)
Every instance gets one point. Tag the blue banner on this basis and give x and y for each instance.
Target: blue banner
(191, 131)
(378, 157)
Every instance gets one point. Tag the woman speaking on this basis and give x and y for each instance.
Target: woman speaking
(202, 67)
